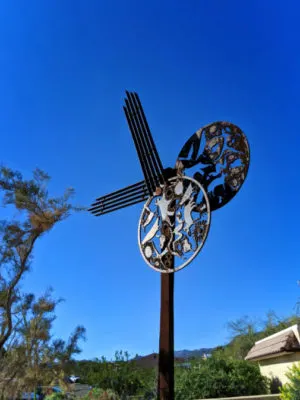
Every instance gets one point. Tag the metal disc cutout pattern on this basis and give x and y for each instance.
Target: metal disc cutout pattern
(219, 156)
(174, 223)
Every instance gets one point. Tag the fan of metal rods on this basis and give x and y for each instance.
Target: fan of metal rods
(149, 159)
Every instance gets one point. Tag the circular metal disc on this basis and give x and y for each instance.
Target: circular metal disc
(219, 156)
(174, 225)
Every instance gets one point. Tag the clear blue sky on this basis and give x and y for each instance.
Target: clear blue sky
(64, 67)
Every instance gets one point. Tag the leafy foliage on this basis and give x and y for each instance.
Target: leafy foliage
(100, 394)
(35, 359)
(219, 377)
(245, 332)
(224, 374)
(213, 377)
(28, 357)
(121, 375)
(37, 213)
(291, 390)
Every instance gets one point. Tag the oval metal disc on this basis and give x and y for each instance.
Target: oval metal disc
(219, 157)
(174, 225)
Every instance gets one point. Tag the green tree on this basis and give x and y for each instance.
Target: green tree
(121, 375)
(25, 322)
(245, 332)
(100, 394)
(35, 360)
(37, 214)
(291, 390)
(219, 377)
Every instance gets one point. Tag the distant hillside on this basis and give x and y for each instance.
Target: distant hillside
(151, 360)
(187, 354)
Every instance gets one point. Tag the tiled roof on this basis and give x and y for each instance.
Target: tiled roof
(285, 342)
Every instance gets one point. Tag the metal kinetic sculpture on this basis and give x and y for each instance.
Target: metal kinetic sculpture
(174, 224)
(175, 219)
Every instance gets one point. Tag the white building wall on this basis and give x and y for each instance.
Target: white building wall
(278, 366)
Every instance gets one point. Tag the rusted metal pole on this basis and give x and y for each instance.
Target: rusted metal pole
(166, 339)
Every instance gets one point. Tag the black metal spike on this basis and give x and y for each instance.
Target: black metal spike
(145, 145)
(149, 159)
(124, 198)
(154, 149)
(119, 207)
(140, 141)
(153, 154)
(120, 191)
(137, 144)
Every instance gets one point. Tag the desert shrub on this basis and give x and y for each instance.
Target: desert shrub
(121, 375)
(220, 377)
(291, 390)
(101, 394)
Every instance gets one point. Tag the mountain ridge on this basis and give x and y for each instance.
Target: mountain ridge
(193, 353)
(180, 356)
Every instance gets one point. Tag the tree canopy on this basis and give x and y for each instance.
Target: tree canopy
(28, 355)
(246, 331)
